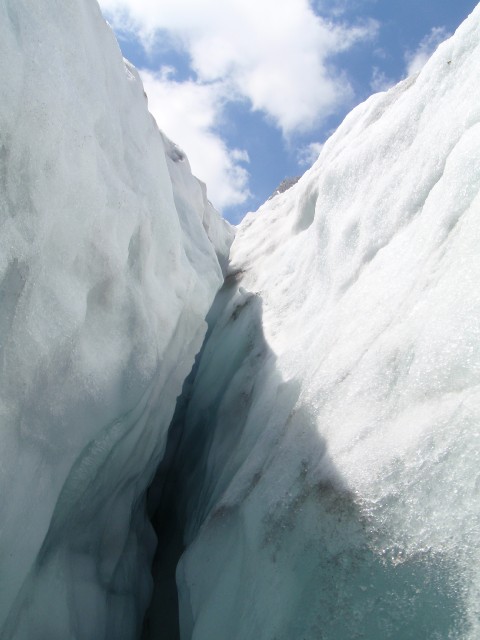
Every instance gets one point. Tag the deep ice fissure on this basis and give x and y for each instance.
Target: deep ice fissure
(339, 571)
(352, 322)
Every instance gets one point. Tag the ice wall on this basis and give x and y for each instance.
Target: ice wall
(110, 256)
(329, 465)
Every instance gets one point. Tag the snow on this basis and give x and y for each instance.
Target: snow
(323, 463)
(330, 459)
(110, 257)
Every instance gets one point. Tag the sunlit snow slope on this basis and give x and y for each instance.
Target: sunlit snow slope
(331, 454)
(109, 261)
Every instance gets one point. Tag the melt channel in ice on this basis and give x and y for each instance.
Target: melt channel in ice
(327, 477)
(109, 261)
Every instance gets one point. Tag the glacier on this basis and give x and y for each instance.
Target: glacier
(110, 257)
(327, 473)
(273, 438)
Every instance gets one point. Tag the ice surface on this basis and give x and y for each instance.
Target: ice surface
(330, 460)
(323, 464)
(109, 261)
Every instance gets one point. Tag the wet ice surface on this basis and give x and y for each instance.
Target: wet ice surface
(109, 261)
(330, 460)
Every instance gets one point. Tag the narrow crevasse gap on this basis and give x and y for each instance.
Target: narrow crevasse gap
(198, 464)
(258, 534)
(161, 618)
(166, 505)
(162, 613)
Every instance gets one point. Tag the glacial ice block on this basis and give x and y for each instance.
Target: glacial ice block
(335, 414)
(109, 260)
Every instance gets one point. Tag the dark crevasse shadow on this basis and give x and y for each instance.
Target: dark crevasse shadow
(161, 618)
(256, 526)
(166, 498)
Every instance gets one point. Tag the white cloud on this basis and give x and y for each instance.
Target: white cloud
(380, 81)
(416, 59)
(193, 129)
(308, 154)
(273, 53)
(240, 155)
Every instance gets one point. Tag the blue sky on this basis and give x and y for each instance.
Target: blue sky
(250, 89)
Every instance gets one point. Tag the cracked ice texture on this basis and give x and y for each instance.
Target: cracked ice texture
(337, 495)
(109, 261)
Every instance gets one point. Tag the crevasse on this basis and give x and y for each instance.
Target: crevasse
(327, 472)
(320, 477)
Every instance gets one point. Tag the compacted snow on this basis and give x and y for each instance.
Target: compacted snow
(109, 261)
(331, 454)
(321, 473)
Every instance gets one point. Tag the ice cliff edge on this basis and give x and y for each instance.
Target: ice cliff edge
(110, 256)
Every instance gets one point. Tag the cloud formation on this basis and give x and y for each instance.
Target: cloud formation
(309, 154)
(415, 60)
(274, 55)
(380, 81)
(188, 112)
